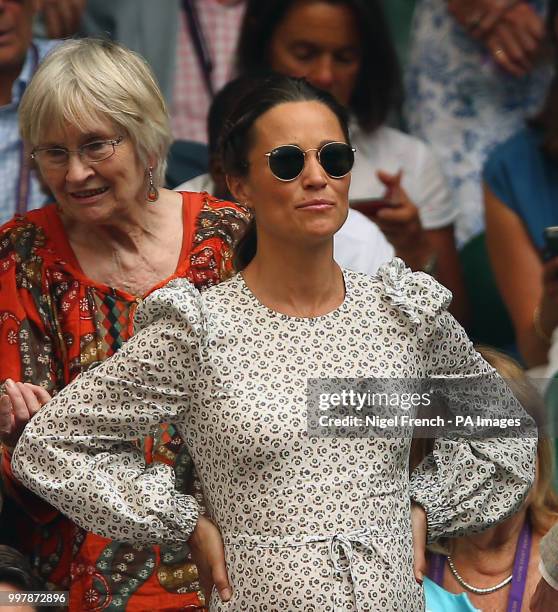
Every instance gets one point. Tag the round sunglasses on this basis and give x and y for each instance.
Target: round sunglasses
(287, 161)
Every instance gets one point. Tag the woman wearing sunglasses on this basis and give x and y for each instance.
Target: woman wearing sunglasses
(298, 522)
(345, 48)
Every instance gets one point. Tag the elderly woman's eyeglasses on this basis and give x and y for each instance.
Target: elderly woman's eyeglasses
(287, 161)
(90, 153)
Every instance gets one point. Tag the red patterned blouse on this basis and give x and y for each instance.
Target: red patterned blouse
(55, 323)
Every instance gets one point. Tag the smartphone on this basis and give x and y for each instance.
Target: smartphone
(550, 242)
(370, 206)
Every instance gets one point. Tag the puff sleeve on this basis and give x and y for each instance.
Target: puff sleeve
(472, 479)
(78, 452)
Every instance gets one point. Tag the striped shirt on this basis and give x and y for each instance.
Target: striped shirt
(220, 22)
(10, 141)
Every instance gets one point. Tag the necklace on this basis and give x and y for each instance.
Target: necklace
(520, 569)
(477, 590)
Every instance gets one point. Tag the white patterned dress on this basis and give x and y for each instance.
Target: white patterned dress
(309, 523)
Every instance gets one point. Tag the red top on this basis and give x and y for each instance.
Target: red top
(55, 323)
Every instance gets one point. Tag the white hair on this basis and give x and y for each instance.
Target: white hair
(88, 81)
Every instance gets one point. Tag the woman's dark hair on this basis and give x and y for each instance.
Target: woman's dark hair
(225, 100)
(237, 135)
(223, 104)
(547, 119)
(378, 88)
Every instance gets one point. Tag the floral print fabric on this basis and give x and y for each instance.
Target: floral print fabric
(55, 324)
(309, 523)
(463, 105)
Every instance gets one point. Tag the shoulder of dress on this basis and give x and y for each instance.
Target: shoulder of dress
(222, 291)
(178, 300)
(416, 294)
(219, 220)
(22, 237)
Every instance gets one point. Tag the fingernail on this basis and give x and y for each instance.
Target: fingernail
(9, 382)
(419, 578)
(226, 594)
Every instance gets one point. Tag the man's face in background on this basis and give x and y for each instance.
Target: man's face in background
(16, 32)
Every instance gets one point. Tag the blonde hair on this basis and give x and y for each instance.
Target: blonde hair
(543, 501)
(84, 82)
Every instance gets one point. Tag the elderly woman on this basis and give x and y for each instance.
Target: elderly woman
(71, 277)
(344, 47)
(303, 521)
(498, 570)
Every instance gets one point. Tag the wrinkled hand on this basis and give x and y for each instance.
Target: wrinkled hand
(63, 17)
(17, 407)
(419, 525)
(208, 554)
(516, 39)
(478, 17)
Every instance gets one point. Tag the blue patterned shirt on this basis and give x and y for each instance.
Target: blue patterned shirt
(10, 141)
(461, 103)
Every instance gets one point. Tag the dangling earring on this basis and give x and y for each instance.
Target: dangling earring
(152, 193)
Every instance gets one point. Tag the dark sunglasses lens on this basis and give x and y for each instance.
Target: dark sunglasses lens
(337, 159)
(286, 162)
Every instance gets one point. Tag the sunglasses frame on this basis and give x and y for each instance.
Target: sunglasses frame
(318, 152)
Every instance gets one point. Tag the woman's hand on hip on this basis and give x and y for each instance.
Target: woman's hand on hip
(208, 554)
(17, 407)
(419, 525)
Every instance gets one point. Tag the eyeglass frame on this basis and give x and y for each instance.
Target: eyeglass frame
(318, 149)
(114, 142)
